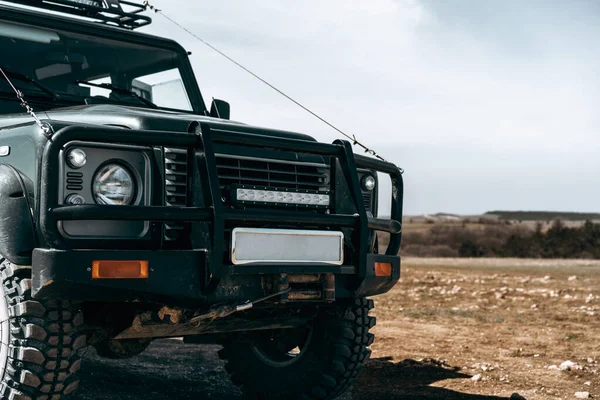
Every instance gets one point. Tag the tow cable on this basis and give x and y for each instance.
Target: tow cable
(44, 126)
(226, 310)
(352, 138)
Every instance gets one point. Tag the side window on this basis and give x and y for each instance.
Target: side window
(165, 89)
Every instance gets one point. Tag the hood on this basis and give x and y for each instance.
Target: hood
(134, 118)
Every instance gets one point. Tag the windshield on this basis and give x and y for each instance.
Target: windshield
(72, 67)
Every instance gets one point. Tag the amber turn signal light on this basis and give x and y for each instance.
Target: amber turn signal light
(383, 269)
(113, 269)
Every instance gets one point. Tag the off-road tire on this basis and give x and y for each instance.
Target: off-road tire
(336, 352)
(40, 340)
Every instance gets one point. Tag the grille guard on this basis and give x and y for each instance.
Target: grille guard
(50, 212)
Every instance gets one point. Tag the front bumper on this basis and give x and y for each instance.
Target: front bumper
(60, 267)
(177, 277)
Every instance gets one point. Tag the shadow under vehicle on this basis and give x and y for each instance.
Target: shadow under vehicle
(131, 211)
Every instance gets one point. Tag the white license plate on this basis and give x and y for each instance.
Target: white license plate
(252, 245)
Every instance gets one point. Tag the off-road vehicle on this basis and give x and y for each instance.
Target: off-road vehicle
(129, 211)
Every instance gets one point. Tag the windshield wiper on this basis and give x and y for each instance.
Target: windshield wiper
(25, 78)
(120, 90)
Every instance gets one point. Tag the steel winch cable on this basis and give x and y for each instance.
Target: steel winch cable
(352, 137)
(46, 128)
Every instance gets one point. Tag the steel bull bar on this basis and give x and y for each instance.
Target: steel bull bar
(51, 212)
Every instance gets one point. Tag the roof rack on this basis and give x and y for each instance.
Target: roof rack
(110, 12)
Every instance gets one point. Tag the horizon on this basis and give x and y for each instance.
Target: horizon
(517, 211)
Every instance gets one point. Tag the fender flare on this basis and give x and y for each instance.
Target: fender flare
(17, 227)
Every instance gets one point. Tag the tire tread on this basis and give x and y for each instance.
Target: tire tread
(350, 350)
(45, 339)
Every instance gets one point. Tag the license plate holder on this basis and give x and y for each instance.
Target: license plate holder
(255, 245)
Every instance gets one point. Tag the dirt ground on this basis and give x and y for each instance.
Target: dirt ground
(452, 329)
(512, 322)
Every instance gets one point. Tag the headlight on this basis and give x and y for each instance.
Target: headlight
(76, 158)
(113, 185)
(368, 183)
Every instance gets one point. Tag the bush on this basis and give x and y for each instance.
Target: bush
(417, 250)
(471, 249)
(501, 240)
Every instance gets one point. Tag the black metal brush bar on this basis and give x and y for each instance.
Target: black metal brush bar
(214, 212)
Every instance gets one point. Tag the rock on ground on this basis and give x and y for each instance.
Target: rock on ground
(582, 395)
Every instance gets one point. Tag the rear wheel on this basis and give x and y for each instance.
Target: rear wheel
(315, 363)
(39, 340)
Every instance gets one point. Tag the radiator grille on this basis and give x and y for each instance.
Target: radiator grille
(368, 200)
(366, 195)
(272, 173)
(176, 174)
(242, 170)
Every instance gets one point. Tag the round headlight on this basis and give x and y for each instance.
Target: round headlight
(113, 185)
(368, 183)
(76, 158)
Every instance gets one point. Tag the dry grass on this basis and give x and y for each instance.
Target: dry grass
(411, 227)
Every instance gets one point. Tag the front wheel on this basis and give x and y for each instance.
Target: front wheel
(319, 362)
(39, 340)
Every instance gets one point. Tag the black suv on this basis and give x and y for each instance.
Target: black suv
(129, 211)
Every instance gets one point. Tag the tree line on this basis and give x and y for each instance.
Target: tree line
(506, 240)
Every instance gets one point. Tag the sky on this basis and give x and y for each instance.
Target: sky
(485, 104)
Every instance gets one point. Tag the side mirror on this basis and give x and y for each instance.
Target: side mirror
(220, 109)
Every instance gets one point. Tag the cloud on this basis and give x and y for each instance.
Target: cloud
(458, 93)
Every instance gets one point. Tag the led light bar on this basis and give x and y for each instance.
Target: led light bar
(281, 197)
